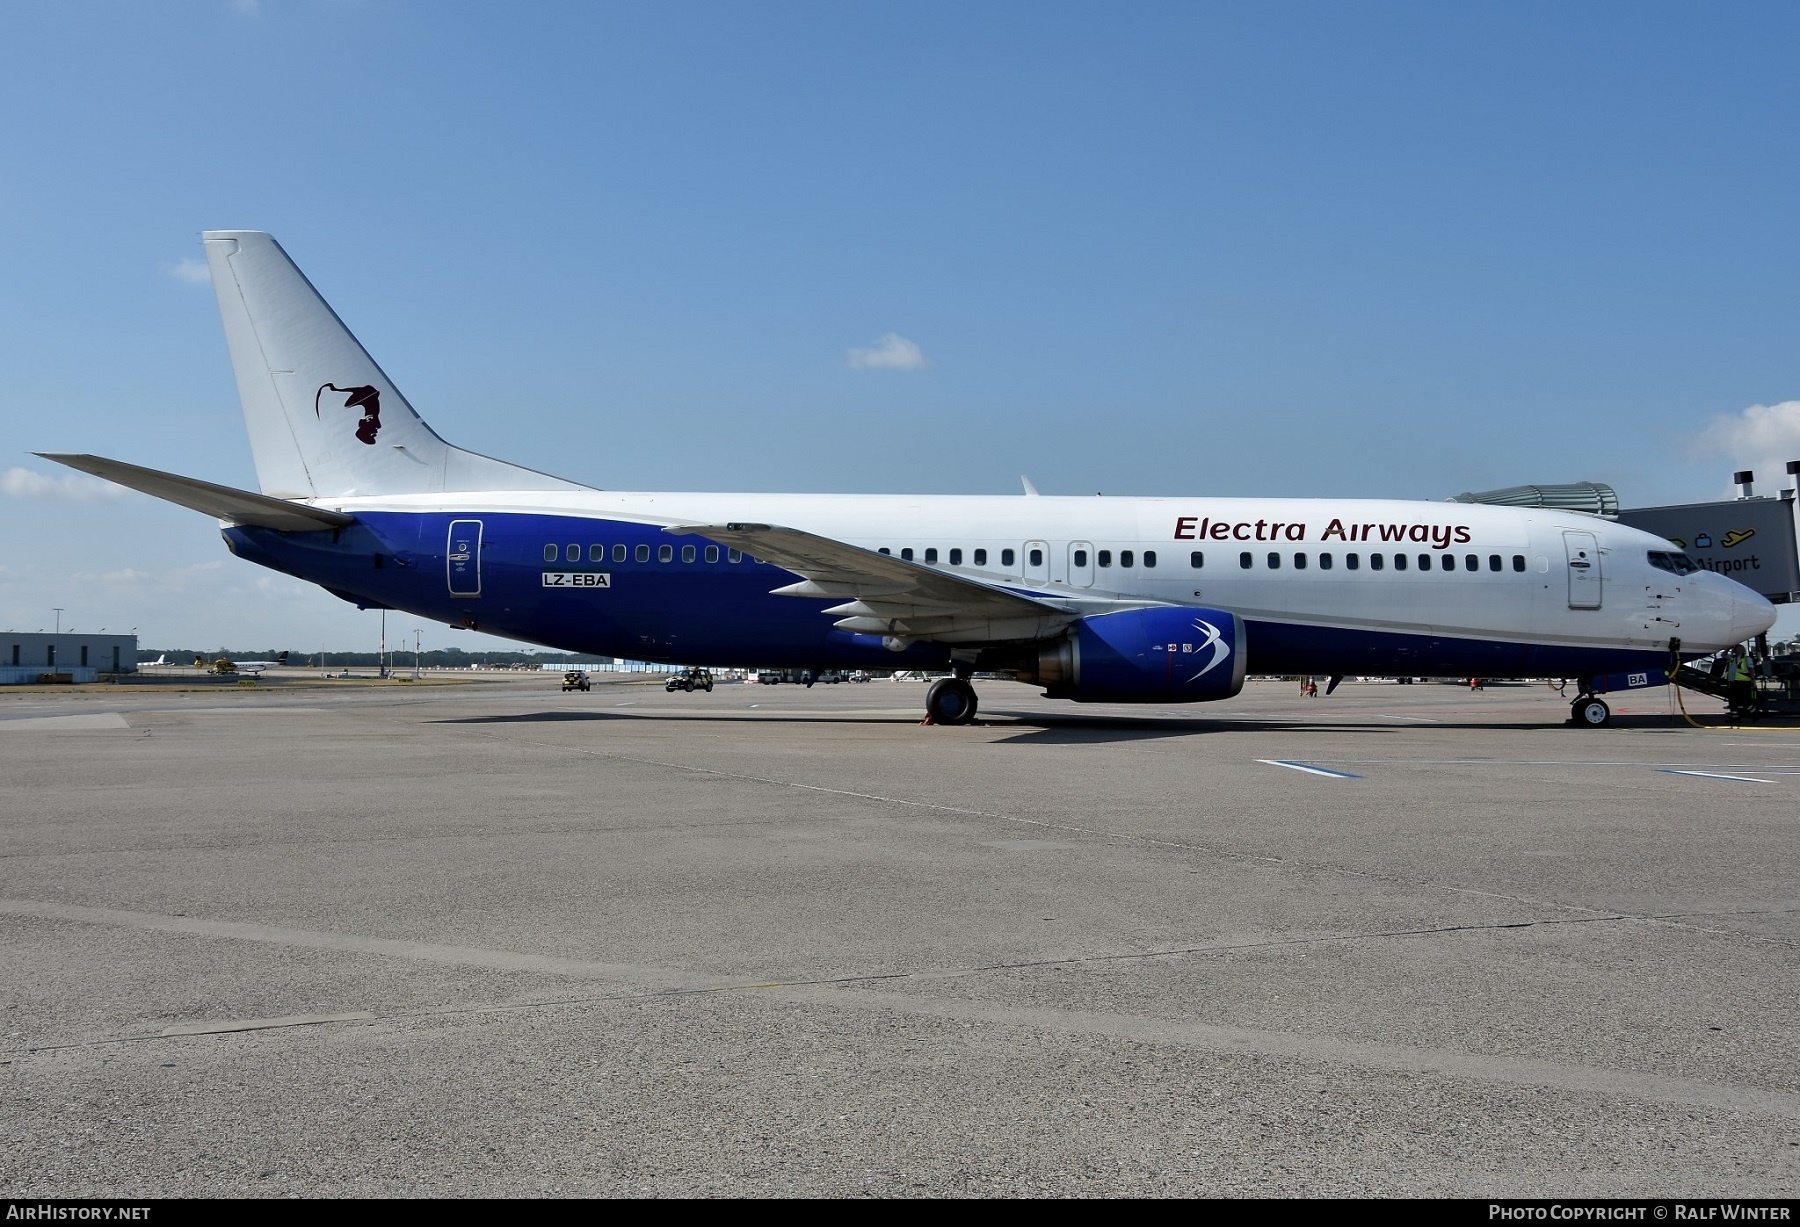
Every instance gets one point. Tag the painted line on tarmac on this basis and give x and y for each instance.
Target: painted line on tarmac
(1381, 715)
(1551, 762)
(866, 994)
(1336, 775)
(1535, 1073)
(263, 1024)
(347, 943)
(1715, 775)
(68, 724)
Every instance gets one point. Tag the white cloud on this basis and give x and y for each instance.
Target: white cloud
(891, 352)
(1762, 438)
(69, 487)
(190, 270)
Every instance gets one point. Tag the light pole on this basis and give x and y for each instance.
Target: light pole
(56, 642)
(416, 633)
(381, 654)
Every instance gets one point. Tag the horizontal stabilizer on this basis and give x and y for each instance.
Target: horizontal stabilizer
(220, 502)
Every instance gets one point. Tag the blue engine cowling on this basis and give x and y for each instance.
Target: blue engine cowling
(1172, 654)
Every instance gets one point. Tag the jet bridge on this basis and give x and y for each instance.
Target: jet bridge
(1751, 539)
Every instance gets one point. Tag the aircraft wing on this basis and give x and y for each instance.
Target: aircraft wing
(220, 502)
(884, 595)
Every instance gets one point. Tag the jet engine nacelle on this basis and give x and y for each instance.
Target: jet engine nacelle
(1171, 654)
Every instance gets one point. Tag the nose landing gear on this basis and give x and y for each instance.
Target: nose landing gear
(1590, 713)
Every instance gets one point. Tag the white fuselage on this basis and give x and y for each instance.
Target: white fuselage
(1311, 562)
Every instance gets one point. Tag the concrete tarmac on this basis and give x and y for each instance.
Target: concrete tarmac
(499, 940)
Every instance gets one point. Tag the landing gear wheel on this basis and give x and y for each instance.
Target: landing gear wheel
(951, 700)
(1590, 713)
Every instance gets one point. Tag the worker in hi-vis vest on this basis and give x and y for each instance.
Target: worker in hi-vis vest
(1741, 675)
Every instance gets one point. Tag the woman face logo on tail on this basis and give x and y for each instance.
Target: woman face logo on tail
(365, 398)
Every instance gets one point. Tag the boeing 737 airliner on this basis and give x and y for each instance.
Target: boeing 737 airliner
(1120, 600)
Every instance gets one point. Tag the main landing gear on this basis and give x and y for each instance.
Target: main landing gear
(950, 700)
(1588, 712)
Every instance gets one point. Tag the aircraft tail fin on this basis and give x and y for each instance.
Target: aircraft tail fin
(324, 420)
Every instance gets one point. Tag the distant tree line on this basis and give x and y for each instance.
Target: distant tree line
(435, 658)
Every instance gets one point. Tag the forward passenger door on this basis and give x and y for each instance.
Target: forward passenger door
(1585, 579)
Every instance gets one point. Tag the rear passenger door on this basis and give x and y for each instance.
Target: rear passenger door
(463, 558)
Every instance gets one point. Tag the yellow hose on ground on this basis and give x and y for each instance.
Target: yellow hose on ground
(1675, 681)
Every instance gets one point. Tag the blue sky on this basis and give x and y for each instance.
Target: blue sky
(1387, 250)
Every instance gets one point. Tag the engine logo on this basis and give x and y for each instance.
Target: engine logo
(1215, 641)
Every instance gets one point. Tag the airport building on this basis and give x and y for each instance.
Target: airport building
(30, 657)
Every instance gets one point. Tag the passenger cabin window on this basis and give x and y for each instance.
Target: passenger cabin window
(1518, 562)
(1006, 557)
(573, 553)
(1399, 562)
(549, 553)
(931, 553)
(732, 555)
(643, 553)
(1494, 563)
(1471, 563)
(1037, 558)
(1274, 561)
(1377, 561)
(665, 553)
(1197, 559)
(956, 558)
(1352, 561)
(1104, 558)
(1124, 558)
(1246, 560)
(1446, 562)
(712, 553)
(1324, 562)
(596, 553)
(1149, 558)
(1299, 562)
(1080, 559)
(981, 558)
(618, 553)
(885, 550)
(687, 553)
(906, 552)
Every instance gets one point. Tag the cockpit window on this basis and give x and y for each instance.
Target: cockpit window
(1679, 564)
